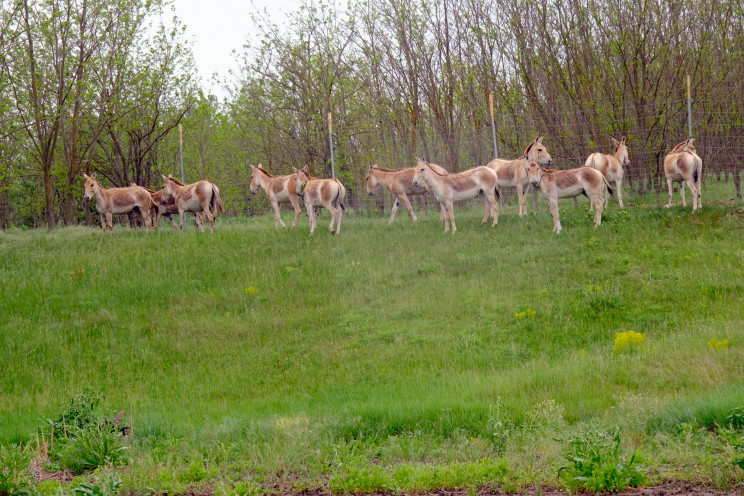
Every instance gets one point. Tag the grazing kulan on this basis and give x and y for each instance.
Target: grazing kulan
(110, 201)
(201, 196)
(327, 193)
(612, 166)
(683, 165)
(461, 186)
(511, 173)
(400, 183)
(279, 189)
(555, 184)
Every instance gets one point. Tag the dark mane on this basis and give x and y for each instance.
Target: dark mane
(382, 169)
(434, 170)
(529, 147)
(264, 171)
(175, 180)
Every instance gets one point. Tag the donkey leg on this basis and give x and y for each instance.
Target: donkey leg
(211, 221)
(296, 206)
(522, 199)
(148, 220)
(445, 215)
(277, 217)
(393, 210)
(487, 213)
(451, 213)
(103, 222)
(597, 201)
(110, 222)
(199, 221)
(180, 218)
(682, 193)
(409, 208)
(339, 215)
(669, 187)
(331, 210)
(491, 209)
(310, 216)
(556, 216)
(694, 193)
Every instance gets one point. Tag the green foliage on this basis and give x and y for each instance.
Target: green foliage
(90, 448)
(85, 437)
(598, 464)
(15, 476)
(108, 484)
(416, 477)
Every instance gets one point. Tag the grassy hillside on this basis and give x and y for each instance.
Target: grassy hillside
(262, 354)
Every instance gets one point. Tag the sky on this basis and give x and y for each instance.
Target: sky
(217, 27)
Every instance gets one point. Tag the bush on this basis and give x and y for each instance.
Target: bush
(596, 464)
(106, 485)
(91, 448)
(85, 436)
(15, 477)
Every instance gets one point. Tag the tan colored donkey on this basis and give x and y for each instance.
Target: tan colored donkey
(201, 196)
(611, 166)
(461, 186)
(326, 193)
(555, 184)
(111, 201)
(511, 173)
(400, 183)
(279, 189)
(683, 165)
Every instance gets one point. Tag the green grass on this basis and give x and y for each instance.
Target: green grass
(261, 354)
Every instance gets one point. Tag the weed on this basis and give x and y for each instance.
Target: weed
(85, 436)
(715, 344)
(597, 464)
(15, 477)
(91, 448)
(108, 484)
(629, 341)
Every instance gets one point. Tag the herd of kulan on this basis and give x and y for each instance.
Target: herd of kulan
(593, 179)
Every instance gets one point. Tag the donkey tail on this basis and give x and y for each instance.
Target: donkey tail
(607, 185)
(341, 196)
(215, 204)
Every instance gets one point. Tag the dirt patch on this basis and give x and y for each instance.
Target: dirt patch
(669, 489)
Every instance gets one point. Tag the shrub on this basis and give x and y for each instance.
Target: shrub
(85, 436)
(105, 485)
(596, 464)
(15, 477)
(91, 448)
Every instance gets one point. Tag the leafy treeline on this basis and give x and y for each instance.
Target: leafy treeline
(401, 79)
(85, 85)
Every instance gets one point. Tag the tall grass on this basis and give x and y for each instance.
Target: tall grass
(292, 348)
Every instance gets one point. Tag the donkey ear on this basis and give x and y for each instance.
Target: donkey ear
(622, 140)
(260, 166)
(86, 176)
(616, 142)
(164, 178)
(539, 139)
(690, 140)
